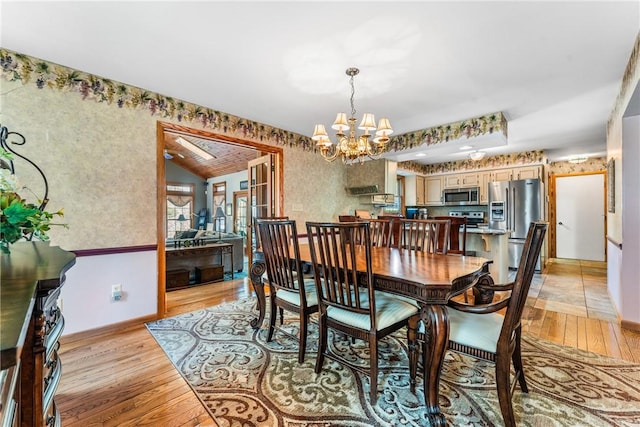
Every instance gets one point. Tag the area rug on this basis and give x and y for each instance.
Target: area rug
(245, 381)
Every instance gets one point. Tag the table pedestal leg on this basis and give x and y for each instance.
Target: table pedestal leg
(257, 270)
(437, 339)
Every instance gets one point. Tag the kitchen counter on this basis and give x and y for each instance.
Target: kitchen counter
(493, 244)
(481, 230)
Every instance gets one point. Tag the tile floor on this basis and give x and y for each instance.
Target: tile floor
(574, 287)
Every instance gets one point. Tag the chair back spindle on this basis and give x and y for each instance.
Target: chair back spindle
(423, 235)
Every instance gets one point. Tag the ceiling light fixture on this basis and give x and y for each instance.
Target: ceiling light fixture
(194, 148)
(352, 147)
(477, 155)
(578, 159)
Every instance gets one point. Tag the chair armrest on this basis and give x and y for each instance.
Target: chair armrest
(484, 289)
(495, 287)
(481, 308)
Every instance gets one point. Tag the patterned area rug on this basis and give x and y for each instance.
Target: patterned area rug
(245, 381)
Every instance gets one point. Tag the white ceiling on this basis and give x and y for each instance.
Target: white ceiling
(553, 68)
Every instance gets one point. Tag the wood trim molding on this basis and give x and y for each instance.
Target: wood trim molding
(632, 326)
(117, 250)
(116, 327)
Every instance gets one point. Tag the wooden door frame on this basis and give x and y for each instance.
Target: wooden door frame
(161, 216)
(552, 208)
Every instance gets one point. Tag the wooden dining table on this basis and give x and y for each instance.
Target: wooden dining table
(430, 279)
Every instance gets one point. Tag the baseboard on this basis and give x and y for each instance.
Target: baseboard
(91, 333)
(632, 326)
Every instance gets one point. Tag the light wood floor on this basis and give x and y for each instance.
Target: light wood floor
(123, 378)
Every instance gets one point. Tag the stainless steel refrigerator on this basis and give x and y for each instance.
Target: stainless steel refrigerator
(513, 205)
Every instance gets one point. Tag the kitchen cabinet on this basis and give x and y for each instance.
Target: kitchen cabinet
(433, 190)
(526, 172)
(484, 178)
(420, 191)
(530, 172)
(501, 175)
(461, 180)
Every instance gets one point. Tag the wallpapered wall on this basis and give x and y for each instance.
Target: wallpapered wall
(96, 141)
(100, 160)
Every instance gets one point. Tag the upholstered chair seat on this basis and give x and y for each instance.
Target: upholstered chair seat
(389, 310)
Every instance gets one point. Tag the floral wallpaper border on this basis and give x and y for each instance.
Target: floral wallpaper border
(514, 159)
(20, 67)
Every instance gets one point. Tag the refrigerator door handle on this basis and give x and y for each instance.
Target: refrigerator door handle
(507, 208)
(514, 224)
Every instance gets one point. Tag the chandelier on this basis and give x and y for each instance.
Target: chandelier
(349, 146)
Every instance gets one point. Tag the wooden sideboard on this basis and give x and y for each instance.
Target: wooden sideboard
(31, 324)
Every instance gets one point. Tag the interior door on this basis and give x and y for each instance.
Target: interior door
(263, 196)
(580, 217)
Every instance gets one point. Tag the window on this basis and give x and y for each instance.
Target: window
(180, 201)
(219, 202)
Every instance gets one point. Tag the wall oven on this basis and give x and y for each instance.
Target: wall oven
(461, 196)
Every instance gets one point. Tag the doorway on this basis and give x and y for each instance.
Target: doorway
(580, 218)
(162, 130)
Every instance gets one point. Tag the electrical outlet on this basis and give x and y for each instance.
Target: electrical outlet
(116, 292)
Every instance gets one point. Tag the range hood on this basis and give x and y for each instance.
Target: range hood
(374, 182)
(364, 190)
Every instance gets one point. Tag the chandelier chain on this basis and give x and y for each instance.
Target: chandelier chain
(353, 91)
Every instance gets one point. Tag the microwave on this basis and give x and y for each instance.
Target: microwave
(461, 196)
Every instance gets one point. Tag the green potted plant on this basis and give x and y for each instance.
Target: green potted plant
(20, 219)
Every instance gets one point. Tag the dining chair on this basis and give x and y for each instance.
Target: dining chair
(480, 331)
(380, 231)
(457, 243)
(423, 235)
(347, 300)
(289, 289)
(395, 228)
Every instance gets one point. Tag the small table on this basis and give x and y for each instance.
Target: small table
(190, 257)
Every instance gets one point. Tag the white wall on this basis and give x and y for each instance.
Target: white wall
(86, 295)
(629, 303)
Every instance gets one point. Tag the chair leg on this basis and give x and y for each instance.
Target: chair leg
(302, 347)
(503, 383)
(373, 362)
(517, 363)
(322, 342)
(272, 319)
(281, 316)
(412, 328)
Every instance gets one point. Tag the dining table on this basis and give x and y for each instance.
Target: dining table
(429, 279)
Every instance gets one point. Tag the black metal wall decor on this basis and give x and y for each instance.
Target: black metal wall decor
(9, 139)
